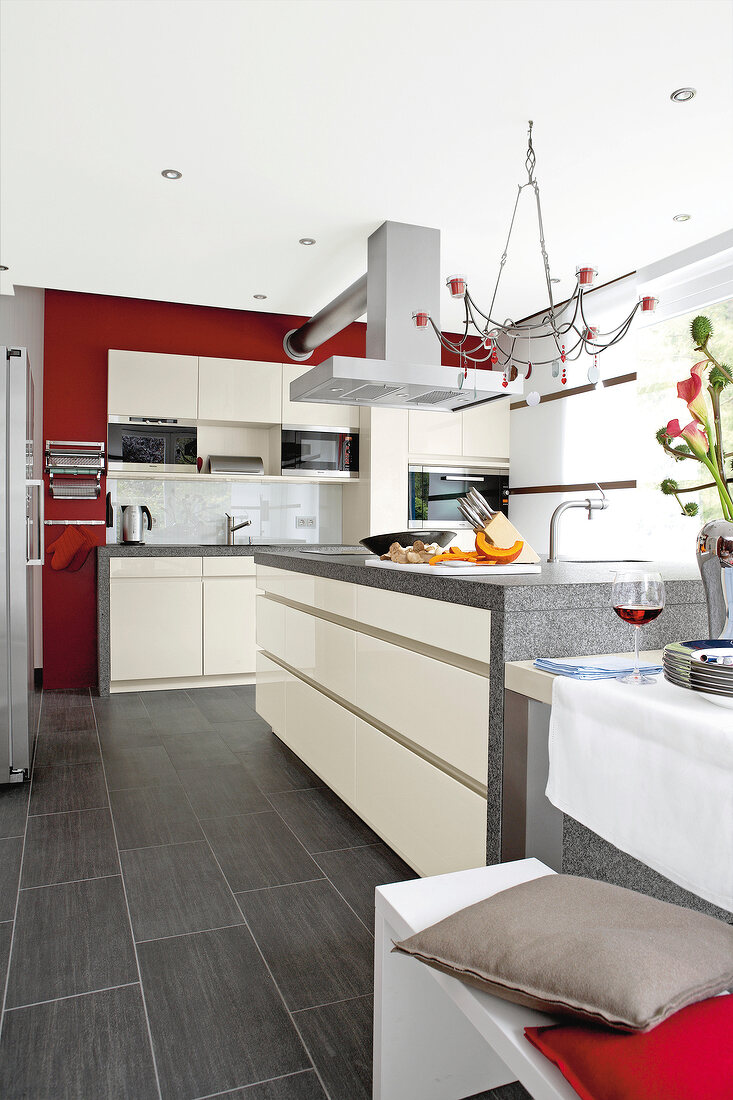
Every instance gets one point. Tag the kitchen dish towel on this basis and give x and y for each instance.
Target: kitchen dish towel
(597, 668)
(650, 769)
(71, 549)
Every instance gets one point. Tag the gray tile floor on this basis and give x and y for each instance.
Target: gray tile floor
(185, 910)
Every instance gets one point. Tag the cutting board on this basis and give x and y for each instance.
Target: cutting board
(461, 569)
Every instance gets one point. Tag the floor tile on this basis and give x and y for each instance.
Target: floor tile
(153, 815)
(201, 749)
(258, 850)
(65, 716)
(83, 1047)
(163, 702)
(66, 847)
(67, 787)
(67, 697)
(339, 1040)
(147, 767)
(11, 851)
(216, 1017)
(356, 873)
(240, 736)
(13, 808)
(117, 733)
(175, 889)
(222, 792)
(180, 721)
(219, 706)
(296, 1086)
(67, 747)
(6, 935)
(70, 939)
(317, 949)
(275, 768)
(321, 821)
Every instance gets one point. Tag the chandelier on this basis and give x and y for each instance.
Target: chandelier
(496, 345)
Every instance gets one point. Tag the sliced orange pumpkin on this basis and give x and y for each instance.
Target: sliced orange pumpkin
(498, 554)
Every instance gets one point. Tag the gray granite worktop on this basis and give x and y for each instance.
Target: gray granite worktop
(181, 550)
(560, 586)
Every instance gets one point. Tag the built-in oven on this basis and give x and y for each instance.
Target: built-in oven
(327, 452)
(151, 442)
(434, 493)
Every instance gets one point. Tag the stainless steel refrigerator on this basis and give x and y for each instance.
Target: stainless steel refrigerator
(21, 549)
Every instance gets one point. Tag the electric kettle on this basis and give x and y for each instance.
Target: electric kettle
(132, 522)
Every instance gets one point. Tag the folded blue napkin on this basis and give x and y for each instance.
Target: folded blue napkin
(602, 668)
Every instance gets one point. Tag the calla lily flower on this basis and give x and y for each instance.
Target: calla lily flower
(691, 392)
(692, 434)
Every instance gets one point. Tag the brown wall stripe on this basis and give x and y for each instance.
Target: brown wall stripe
(580, 487)
(620, 380)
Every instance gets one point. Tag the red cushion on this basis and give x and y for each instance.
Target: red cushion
(688, 1057)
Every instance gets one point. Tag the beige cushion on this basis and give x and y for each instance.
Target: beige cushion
(575, 946)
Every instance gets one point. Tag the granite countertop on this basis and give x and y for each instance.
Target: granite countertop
(184, 550)
(562, 585)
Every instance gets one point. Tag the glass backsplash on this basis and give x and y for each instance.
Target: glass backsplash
(192, 512)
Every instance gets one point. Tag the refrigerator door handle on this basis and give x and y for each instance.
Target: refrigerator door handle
(40, 517)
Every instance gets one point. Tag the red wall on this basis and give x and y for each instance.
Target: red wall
(79, 330)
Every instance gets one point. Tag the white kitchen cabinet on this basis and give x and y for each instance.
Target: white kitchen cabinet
(435, 433)
(239, 390)
(322, 734)
(486, 431)
(435, 823)
(270, 693)
(155, 627)
(305, 414)
(151, 384)
(229, 625)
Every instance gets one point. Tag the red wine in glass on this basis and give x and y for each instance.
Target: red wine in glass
(637, 597)
(638, 616)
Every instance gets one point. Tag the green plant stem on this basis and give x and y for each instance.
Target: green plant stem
(725, 497)
(714, 361)
(676, 454)
(715, 401)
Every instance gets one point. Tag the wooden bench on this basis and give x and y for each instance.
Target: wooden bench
(436, 1038)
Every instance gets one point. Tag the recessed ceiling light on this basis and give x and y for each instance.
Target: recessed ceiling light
(307, 240)
(683, 95)
(3, 267)
(554, 280)
(171, 174)
(681, 217)
(261, 297)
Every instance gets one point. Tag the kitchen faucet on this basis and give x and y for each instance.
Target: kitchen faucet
(591, 505)
(232, 527)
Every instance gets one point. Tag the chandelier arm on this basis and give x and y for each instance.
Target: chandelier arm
(502, 261)
(444, 341)
(543, 249)
(471, 306)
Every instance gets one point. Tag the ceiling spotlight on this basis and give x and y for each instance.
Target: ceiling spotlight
(307, 240)
(3, 267)
(681, 217)
(260, 297)
(554, 280)
(171, 174)
(683, 95)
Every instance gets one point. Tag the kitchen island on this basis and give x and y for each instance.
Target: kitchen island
(390, 684)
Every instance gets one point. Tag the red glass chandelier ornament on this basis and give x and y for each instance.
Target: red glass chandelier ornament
(492, 344)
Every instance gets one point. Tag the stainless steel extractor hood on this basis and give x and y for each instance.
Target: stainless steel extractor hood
(343, 380)
(402, 368)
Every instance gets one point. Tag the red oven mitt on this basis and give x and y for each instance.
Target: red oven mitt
(71, 549)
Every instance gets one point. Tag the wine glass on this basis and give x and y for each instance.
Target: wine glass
(637, 598)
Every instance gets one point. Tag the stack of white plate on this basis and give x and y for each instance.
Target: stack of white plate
(704, 666)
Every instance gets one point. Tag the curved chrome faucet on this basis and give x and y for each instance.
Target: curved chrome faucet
(232, 527)
(591, 505)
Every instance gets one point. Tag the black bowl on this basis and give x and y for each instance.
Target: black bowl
(380, 544)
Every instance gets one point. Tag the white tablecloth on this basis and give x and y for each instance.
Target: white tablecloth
(650, 769)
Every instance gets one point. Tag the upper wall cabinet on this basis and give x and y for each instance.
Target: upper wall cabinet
(151, 384)
(486, 430)
(435, 433)
(239, 390)
(311, 414)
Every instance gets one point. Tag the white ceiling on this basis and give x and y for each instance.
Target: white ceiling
(323, 118)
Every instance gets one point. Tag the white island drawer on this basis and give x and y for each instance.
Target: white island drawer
(270, 691)
(322, 734)
(229, 566)
(442, 708)
(434, 822)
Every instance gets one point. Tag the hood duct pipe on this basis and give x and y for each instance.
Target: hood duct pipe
(350, 305)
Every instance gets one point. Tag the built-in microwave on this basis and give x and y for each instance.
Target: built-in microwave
(327, 452)
(151, 442)
(434, 493)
